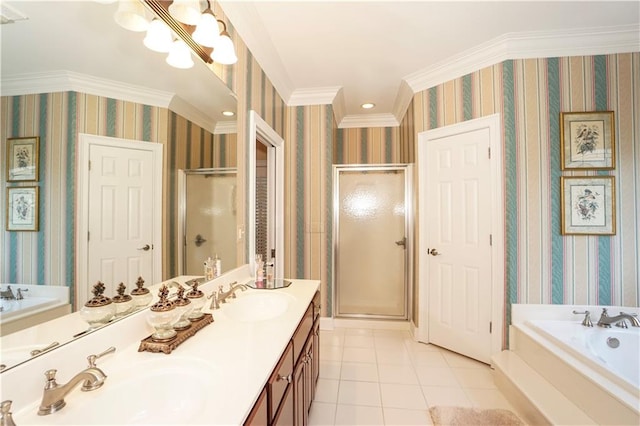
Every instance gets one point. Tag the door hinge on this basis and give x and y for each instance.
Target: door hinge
(273, 253)
(490, 327)
(88, 235)
(89, 165)
(489, 149)
(491, 239)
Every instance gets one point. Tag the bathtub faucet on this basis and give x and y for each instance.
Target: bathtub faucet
(587, 318)
(7, 294)
(606, 321)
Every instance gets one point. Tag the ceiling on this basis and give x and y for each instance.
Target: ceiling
(318, 52)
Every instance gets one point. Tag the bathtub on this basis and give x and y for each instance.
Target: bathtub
(600, 381)
(17, 308)
(40, 303)
(613, 352)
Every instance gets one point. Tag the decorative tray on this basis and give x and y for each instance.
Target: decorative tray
(264, 285)
(149, 345)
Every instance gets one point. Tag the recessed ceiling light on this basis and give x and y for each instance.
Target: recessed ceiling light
(368, 105)
(228, 113)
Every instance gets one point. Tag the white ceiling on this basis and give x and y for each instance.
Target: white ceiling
(340, 52)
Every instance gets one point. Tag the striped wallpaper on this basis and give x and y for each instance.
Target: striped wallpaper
(543, 266)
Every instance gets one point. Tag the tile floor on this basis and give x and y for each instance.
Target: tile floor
(384, 377)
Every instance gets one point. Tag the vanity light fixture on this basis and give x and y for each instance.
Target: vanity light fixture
(207, 33)
(186, 11)
(367, 105)
(158, 38)
(180, 55)
(131, 15)
(224, 52)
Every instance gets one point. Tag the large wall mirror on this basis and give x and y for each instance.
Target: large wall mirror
(77, 47)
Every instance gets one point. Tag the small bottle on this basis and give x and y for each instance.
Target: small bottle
(259, 270)
(217, 266)
(208, 269)
(270, 272)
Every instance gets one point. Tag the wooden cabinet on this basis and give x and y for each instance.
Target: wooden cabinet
(259, 415)
(291, 386)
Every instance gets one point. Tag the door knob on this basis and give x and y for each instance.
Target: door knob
(199, 240)
(146, 247)
(402, 242)
(433, 252)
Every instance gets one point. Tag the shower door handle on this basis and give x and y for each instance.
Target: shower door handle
(402, 242)
(199, 240)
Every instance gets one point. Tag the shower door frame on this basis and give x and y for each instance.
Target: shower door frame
(182, 207)
(408, 234)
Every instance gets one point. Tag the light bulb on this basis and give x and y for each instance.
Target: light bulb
(158, 37)
(186, 11)
(224, 52)
(207, 32)
(180, 55)
(131, 16)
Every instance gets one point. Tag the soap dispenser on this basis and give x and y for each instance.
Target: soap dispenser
(184, 307)
(197, 299)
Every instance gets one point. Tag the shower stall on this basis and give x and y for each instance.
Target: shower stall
(372, 217)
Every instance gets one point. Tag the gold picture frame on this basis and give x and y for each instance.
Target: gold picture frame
(587, 140)
(22, 208)
(588, 205)
(23, 159)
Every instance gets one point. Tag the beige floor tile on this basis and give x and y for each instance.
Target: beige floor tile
(359, 371)
(438, 395)
(331, 353)
(327, 391)
(415, 347)
(358, 332)
(429, 359)
(322, 414)
(358, 341)
(397, 373)
(474, 378)
(350, 415)
(398, 417)
(330, 369)
(331, 339)
(487, 398)
(359, 393)
(402, 396)
(429, 376)
(389, 355)
(358, 355)
(389, 341)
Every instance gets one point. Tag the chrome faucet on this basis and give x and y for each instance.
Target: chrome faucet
(231, 293)
(91, 377)
(587, 318)
(7, 294)
(20, 291)
(606, 321)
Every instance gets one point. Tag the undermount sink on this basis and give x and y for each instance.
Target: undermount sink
(151, 392)
(260, 305)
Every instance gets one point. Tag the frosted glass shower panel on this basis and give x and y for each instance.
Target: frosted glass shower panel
(370, 278)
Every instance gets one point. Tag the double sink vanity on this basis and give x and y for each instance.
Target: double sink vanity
(255, 364)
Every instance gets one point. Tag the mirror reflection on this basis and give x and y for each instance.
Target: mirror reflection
(108, 86)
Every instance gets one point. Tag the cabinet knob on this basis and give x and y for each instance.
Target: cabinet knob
(288, 378)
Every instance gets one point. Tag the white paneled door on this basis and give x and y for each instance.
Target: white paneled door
(120, 220)
(458, 226)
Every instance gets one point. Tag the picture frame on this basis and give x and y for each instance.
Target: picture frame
(22, 208)
(588, 205)
(23, 157)
(587, 140)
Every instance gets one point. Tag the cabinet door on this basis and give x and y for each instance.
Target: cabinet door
(299, 392)
(284, 416)
(279, 381)
(315, 358)
(308, 374)
(259, 415)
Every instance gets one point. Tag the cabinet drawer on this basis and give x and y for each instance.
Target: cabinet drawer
(279, 380)
(259, 415)
(302, 332)
(316, 305)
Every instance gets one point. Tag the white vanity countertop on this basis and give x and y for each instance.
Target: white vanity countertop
(236, 360)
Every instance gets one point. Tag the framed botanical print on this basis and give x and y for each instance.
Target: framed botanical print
(587, 140)
(22, 208)
(22, 159)
(588, 205)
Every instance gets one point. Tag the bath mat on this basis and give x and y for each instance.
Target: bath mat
(463, 416)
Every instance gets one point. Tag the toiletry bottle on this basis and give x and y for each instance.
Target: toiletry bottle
(217, 266)
(259, 270)
(270, 272)
(208, 269)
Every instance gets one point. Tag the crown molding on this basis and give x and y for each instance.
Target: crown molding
(188, 111)
(313, 96)
(339, 107)
(368, 120)
(533, 44)
(403, 99)
(63, 81)
(226, 127)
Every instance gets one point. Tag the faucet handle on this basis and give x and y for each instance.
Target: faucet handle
(587, 318)
(214, 302)
(51, 379)
(92, 358)
(5, 409)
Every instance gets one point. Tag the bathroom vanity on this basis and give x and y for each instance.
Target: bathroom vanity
(257, 363)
